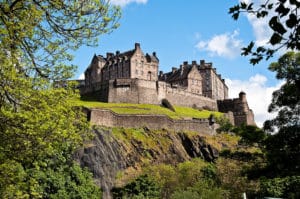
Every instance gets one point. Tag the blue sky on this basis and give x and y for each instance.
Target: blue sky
(187, 30)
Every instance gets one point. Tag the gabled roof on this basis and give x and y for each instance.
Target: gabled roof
(179, 74)
(151, 58)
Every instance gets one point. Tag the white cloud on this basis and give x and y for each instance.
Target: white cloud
(223, 45)
(123, 3)
(81, 76)
(261, 29)
(258, 95)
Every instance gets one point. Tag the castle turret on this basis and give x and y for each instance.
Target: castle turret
(243, 102)
(242, 96)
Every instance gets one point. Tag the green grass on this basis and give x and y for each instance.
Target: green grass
(149, 109)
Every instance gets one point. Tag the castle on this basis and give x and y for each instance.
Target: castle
(133, 77)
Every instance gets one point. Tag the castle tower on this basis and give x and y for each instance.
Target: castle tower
(93, 73)
(243, 102)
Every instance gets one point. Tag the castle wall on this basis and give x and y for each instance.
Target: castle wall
(239, 106)
(108, 118)
(133, 91)
(151, 92)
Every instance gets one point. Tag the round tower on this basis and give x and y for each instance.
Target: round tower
(243, 101)
(242, 96)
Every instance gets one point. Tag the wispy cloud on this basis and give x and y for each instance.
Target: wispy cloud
(123, 3)
(224, 45)
(259, 95)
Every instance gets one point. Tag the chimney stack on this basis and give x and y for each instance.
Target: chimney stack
(174, 69)
(202, 62)
(137, 46)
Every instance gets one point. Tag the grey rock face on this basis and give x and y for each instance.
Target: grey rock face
(107, 155)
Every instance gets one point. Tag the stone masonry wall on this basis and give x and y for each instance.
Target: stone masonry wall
(152, 92)
(108, 118)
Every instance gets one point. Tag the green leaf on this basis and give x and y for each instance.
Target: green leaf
(275, 24)
(275, 39)
(270, 6)
(243, 5)
(292, 21)
(282, 11)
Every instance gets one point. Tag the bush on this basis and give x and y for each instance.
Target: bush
(202, 189)
(286, 187)
(142, 187)
(165, 103)
(225, 125)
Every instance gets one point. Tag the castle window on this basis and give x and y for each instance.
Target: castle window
(149, 76)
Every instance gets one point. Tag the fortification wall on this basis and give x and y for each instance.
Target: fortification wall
(239, 106)
(152, 92)
(133, 91)
(108, 118)
(139, 91)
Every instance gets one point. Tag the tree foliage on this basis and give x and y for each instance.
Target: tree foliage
(283, 18)
(286, 187)
(37, 36)
(141, 187)
(250, 134)
(284, 146)
(39, 127)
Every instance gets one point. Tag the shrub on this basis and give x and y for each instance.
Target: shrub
(165, 103)
(141, 187)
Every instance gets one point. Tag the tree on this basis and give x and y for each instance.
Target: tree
(141, 187)
(39, 127)
(250, 134)
(283, 147)
(37, 36)
(284, 23)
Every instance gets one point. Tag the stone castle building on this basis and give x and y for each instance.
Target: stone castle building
(133, 77)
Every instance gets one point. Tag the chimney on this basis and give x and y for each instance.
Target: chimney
(154, 54)
(185, 63)
(108, 55)
(160, 73)
(137, 46)
(174, 69)
(202, 62)
(117, 52)
(181, 69)
(194, 63)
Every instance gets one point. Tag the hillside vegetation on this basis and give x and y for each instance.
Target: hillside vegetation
(145, 163)
(149, 109)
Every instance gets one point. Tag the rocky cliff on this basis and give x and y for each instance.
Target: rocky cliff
(117, 150)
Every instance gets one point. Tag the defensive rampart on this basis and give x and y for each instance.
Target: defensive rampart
(139, 91)
(104, 117)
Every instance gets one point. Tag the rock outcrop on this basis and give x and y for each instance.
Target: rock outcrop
(114, 151)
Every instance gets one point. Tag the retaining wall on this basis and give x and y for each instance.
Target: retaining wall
(104, 117)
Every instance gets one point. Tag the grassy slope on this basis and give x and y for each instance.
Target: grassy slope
(125, 108)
